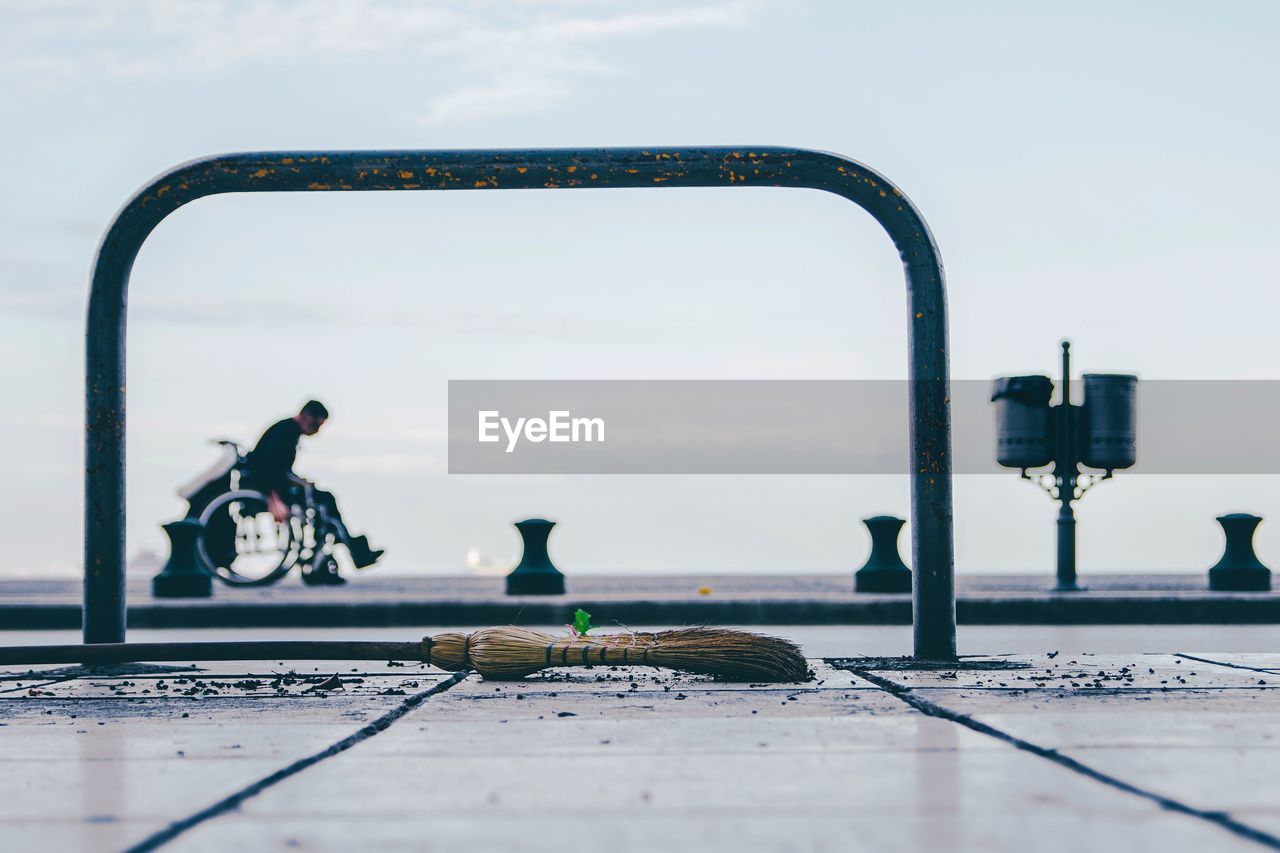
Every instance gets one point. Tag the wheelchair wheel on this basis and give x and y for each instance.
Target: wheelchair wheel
(241, 544)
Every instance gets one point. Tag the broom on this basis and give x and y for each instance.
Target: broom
(496, 653)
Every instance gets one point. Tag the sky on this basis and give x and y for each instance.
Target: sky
(1098, 171)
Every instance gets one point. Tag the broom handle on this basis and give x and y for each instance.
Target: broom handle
(187, 652)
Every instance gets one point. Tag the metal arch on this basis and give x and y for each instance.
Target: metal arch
(322, 171)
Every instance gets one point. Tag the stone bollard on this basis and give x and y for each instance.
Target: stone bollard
(1239, 569)
(884, 570)
(535, 574)
(182, 576)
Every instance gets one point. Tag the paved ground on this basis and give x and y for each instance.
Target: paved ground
(817, 640)
(373, 600)
(1020, 752)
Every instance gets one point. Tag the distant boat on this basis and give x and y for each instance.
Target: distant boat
(145, 563)
(481, 566)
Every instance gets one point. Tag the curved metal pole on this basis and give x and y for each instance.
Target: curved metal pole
(323, 171)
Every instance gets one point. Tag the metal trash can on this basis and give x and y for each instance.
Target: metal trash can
(1024, 430)
(1109, 433)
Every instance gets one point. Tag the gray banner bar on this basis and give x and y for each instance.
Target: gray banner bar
(815, 427)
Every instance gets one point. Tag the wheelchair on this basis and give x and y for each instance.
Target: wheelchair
(240, 543)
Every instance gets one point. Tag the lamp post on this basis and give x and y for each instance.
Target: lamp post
(1067, 468)
(1099, 433)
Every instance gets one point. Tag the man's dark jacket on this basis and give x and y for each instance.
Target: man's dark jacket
(270, 463)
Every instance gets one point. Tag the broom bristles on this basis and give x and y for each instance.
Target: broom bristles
(514, 652)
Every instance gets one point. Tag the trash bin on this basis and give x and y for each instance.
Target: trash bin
(1109, 422)
(1024, 430)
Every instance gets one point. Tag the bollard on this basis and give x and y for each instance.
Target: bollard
(884, 570)
(182, 576)
(535, 574)
(1239, 569)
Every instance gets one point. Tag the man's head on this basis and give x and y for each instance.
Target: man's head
(312, 417)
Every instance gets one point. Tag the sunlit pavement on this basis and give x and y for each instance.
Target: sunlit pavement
(1006, 752)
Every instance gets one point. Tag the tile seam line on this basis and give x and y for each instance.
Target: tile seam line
(17, 691)
(234, 800)
(1224, 663)
(1220, 819)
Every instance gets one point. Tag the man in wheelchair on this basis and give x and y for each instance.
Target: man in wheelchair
(268, 469)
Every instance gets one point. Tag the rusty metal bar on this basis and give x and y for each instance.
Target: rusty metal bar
(324, 171)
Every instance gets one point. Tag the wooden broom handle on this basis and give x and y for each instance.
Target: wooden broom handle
(190, 652)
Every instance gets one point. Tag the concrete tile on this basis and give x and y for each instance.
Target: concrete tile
(708, 737)
(1255, 660)
(256, 711)
(220, 669)
(835, 678)
(804, 761)
(1223, 754)
(79, 772)
(589, 679)
(643, 830)
(82, 739)
(124, 789)
(1266, 819)
(95, 833)
(259, 679)
(477, 701)
(1224, 779)
(1082, 672)
(1139, 702)
(1212, 742)
(246, 684)
(30, 687)
(820, 766)
(765, 779)
(1096, 725)
(467, 720)
(817, 640)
